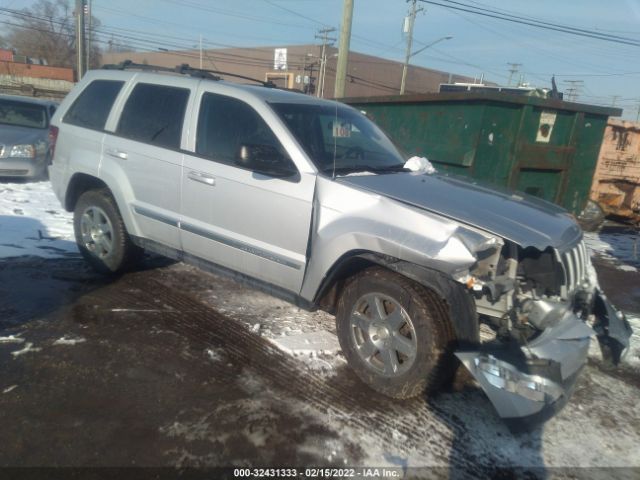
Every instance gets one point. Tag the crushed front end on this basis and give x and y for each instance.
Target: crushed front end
(542, 307)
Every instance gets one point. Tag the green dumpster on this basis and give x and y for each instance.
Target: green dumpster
(544, 147)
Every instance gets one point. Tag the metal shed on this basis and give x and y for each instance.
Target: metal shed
(544, 147)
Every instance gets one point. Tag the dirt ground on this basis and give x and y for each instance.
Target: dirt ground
(169, 366)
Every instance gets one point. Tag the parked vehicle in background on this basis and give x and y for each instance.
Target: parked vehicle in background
(309, 200)
(24, 136)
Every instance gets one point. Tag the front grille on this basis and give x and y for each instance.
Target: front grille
(574, 264)
(13, 172)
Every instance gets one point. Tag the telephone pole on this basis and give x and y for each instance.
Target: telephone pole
(512, 71)
(343, 51)
(411, 19)
(80, 45)
(88, 13)
(323, 34)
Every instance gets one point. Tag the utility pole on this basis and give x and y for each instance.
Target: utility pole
(88, 13)
(343, 51)
(80, 45)
(323, 34)
(614, 98)
(200, 51)
(512, 71)
(409, 28)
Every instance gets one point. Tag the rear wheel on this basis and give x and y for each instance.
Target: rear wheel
(101, 235)
(394, 333)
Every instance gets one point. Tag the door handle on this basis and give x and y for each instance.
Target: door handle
(202, 178)
(112, 152)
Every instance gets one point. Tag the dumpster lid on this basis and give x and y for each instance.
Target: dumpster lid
(549, 103)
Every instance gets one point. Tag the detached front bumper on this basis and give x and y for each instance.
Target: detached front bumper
(529, 384)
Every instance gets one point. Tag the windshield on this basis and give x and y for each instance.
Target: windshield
(22, 114)
(340, 137)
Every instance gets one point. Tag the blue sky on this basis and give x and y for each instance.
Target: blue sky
(479, 44)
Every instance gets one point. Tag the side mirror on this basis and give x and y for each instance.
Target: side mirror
(265, 159)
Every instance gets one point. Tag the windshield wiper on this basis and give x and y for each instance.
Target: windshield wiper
(391, 168)
(365, 168)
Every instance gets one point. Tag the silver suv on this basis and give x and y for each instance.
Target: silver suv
(308, 199)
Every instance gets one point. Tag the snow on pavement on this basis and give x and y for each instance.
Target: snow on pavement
(621, 249)
(32, 222)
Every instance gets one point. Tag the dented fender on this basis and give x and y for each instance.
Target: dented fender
(348, 220)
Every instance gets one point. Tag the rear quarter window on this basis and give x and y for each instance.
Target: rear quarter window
(154, 114)
(92, 107)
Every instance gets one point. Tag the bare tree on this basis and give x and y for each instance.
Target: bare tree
(47, 30)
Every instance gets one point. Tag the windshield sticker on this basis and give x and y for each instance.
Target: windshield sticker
(341, 129)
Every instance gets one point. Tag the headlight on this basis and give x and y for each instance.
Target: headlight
(23, 151)
(505, 376)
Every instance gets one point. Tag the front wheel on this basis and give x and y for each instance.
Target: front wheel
(101, 235)
(394, 333)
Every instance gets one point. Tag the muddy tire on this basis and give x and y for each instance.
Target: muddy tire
(395, 333)
(101, 235)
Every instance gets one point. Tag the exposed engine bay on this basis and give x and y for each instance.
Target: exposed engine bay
(543, 307)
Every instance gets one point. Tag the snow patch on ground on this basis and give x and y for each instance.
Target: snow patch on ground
(11, 339)
(32, 222)
(10, 389)
(621, 249)
(28, 347)
(214, 355)
(321, 342)
(319, 350)
(69, 340)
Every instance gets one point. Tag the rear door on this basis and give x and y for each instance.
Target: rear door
(235, 217)
(145, 147)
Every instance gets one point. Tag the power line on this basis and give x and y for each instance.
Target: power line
(534, 23)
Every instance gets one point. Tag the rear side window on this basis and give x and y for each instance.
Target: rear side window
(92, 107)
(154, 114)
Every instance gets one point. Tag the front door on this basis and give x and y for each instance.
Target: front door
(231, 215)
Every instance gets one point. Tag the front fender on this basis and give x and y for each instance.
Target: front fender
(348, 220)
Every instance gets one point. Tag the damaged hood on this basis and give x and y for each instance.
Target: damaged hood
(523, 219)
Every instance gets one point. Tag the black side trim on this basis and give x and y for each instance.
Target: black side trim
(218, 238)
(156, 216)
(240, 246)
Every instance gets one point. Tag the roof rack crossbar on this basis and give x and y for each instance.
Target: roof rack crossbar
(185, 69)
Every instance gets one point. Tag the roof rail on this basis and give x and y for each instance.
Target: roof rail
(185, 69)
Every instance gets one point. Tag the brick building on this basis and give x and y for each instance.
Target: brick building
(33, 79)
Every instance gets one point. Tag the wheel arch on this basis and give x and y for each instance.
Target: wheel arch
(460, 303)
(78, 184)
(82, 182)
